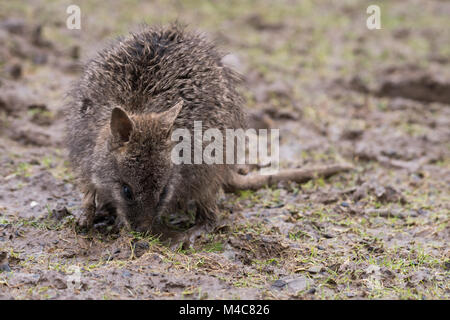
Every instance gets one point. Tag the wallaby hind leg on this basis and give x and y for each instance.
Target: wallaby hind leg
(238, 181)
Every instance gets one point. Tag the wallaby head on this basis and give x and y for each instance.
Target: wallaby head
(133, 174)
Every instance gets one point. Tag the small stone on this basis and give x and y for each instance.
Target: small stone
(345, 204)
(421, 211)
(5, 267)
(312, 291)
(60, 284)
(315, 269)
(279, 284)
(33, 204)
(299, 284)
(126, 274)
(140, 248)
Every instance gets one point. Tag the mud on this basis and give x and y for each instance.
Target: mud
(337, 91)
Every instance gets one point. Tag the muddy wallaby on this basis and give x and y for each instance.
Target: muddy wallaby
(121, 114)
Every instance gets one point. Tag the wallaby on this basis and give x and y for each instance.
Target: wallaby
(120, 118)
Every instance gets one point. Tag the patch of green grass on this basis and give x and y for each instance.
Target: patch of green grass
(4, 220)
(299, 235)
(23, 169)
(216, 246)
(248, 196)
(47, 162)
(145, 236)
(47, 223)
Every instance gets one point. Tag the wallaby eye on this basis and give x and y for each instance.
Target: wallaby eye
(127, 193)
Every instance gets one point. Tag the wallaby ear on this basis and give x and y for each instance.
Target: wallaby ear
(121, 125)
(169, 116)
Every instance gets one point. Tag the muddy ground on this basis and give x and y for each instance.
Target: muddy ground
(378, 99)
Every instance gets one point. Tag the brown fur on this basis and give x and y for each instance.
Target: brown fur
(142, 77)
